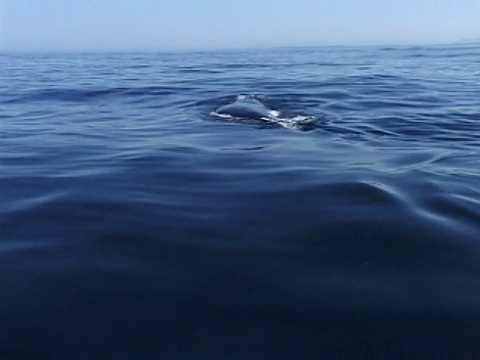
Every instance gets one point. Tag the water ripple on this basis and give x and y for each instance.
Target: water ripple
(130, 215)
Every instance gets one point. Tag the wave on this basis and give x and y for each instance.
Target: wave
(87, 94)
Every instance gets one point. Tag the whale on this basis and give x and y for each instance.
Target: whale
(247, 107)
(252, 107)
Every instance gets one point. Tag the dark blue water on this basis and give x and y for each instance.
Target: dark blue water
(134, 224)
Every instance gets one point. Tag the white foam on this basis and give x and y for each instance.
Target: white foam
(274, 113)
(298, 122)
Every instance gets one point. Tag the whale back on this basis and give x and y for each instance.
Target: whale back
(247, 107)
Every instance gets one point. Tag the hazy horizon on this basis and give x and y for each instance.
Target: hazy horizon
(125, 25)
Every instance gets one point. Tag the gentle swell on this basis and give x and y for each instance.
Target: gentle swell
(134, 224)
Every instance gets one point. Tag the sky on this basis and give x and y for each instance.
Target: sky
(152, 25)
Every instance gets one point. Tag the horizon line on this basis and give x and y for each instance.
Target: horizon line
(236, 48)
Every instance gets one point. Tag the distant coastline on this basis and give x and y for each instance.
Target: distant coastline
(469, 41)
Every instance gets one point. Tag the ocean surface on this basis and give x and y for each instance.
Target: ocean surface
(135, 223)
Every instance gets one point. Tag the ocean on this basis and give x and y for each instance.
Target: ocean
(136, 223)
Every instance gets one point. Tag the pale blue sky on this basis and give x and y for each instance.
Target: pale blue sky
(69, 25)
